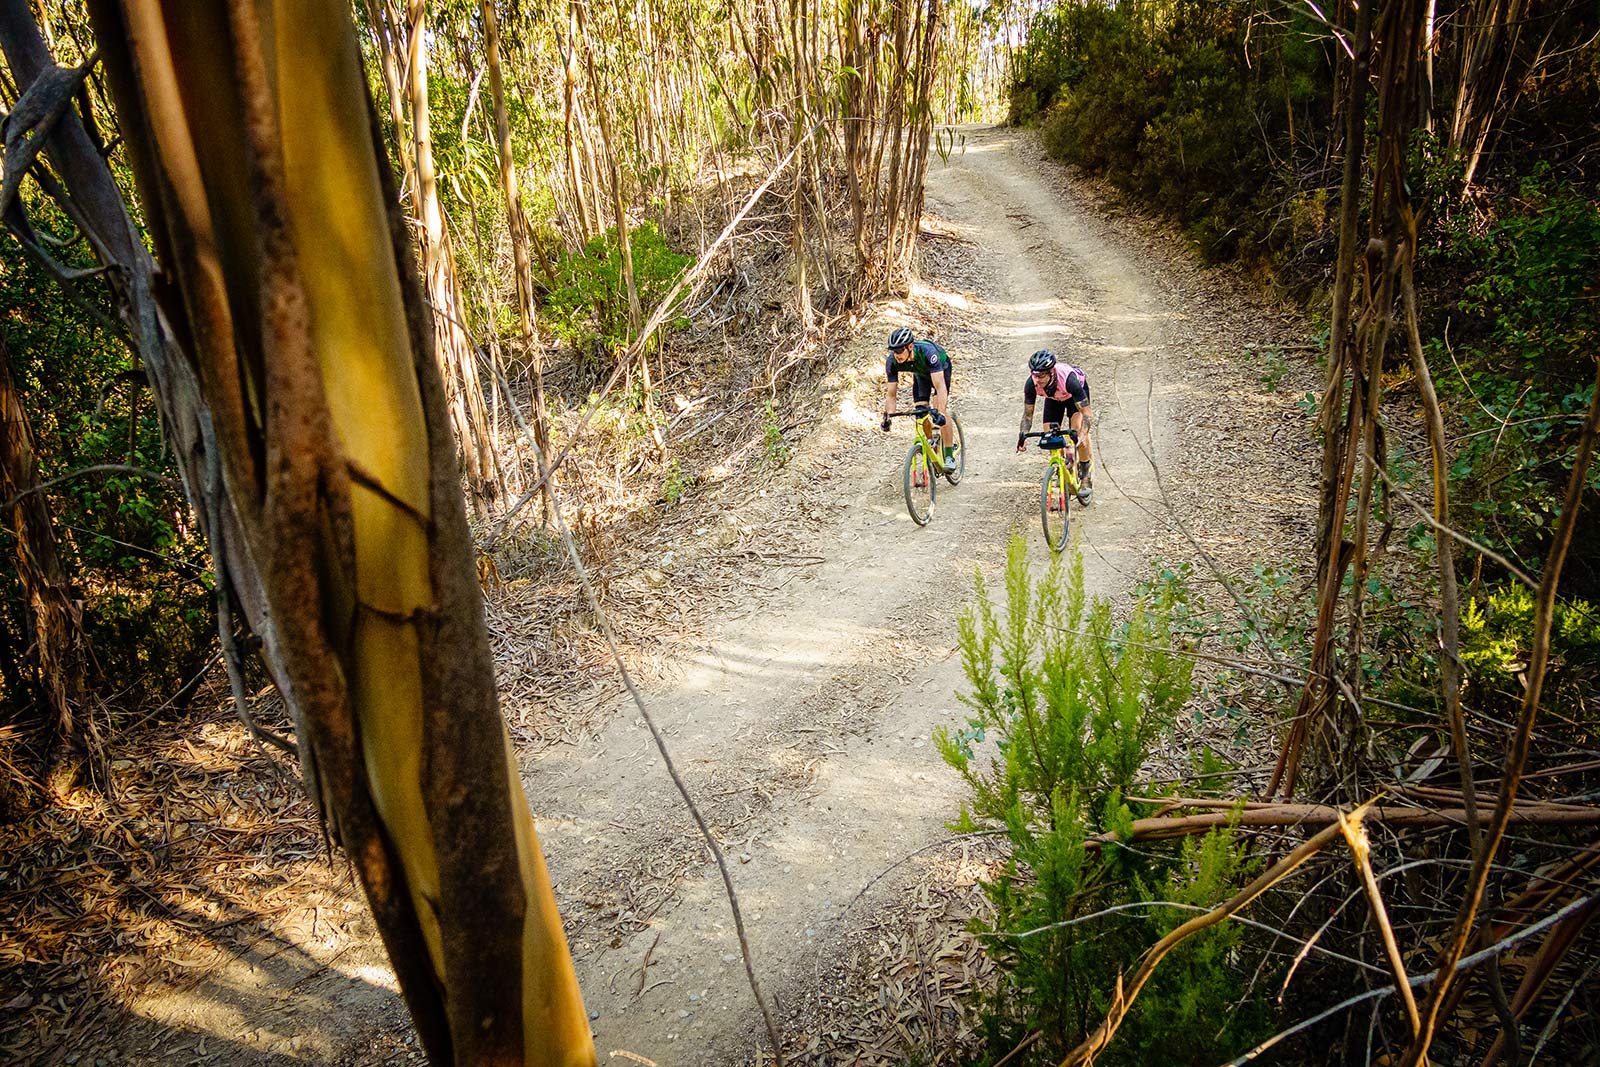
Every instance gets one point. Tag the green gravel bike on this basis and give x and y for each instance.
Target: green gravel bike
(923, 464)
(1060, 485)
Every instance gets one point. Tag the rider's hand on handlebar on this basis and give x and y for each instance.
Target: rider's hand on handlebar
(884, 425)
(938, 418)
(1022, 442)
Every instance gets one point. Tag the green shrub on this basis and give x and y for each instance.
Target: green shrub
(1520, 371)
(677, 483)
(1174, 113)
(1074, 703)
(1497, 641)
(588, 306)
(778, 449)
(127, 542)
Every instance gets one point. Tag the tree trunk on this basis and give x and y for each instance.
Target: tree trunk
(59, 643)
(518, 224)
(457, 360)
(342, 473)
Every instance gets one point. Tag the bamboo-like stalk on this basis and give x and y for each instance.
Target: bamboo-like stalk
(517, 223)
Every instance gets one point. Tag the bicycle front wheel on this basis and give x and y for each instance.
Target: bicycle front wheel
(1053, 506)
(954, 472)
(919, 486)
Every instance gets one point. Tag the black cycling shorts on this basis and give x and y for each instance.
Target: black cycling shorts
(1055, 411)
(922, 387)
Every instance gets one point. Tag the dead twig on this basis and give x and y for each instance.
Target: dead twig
(1355, 835)
(1466, 963)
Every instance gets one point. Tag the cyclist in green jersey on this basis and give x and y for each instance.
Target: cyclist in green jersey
(929, 366)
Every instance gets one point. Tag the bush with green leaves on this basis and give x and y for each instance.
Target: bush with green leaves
(587, 307)
(1497, 642)
(1068, 705)
(1189, 114)
(126, 541)
(778, 448)
(1521, 364)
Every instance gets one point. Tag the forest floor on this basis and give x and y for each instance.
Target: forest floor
(802, 719)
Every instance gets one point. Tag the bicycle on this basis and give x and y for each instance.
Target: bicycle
(923, 465)
(1059, 486)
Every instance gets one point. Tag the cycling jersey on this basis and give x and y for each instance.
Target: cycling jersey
(1069, 389)
(924, 359)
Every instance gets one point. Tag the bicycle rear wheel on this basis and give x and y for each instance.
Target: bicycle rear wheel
(954, 473)
(1053, 500)
(919, 487)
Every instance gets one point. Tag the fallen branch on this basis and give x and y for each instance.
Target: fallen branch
(1355, 835)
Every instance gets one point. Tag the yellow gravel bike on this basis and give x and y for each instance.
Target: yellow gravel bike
(1059, 486)
(923, 465)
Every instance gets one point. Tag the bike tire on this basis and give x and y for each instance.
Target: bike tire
(919, 498)
(1056, 522)
(954, 475)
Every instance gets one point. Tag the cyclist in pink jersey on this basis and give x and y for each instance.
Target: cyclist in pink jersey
(1066, 395)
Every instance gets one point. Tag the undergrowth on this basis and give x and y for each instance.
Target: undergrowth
(1068, 705)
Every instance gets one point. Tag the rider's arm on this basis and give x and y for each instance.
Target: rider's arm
(889, 404)
(941, 393)
(1027, 424)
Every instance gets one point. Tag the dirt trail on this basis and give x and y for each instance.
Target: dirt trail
(803, 727)
(804, 731)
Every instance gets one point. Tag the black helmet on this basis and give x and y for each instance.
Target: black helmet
(899, 338)
(1044, 359)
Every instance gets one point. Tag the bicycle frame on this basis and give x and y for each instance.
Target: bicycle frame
(924, 462)
(1062, 473)
(923, 441)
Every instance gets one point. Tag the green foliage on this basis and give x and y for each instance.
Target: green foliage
(677, 483)
(1521, 365)
(1277, 368)
(1175, 113)
(778, 449)
(588, 305)
(126, 541)
(1497, 641)
(1074, 703)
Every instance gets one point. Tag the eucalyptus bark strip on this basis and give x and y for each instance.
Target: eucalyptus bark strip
(1449, 597)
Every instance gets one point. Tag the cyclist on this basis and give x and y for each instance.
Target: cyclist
(929, 366)
(1066, 394)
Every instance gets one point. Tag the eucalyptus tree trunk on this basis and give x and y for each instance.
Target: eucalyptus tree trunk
(619, 209)
(457, 360)
(518, 225)
(576, 136)
(259, 164)
(59, 643)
